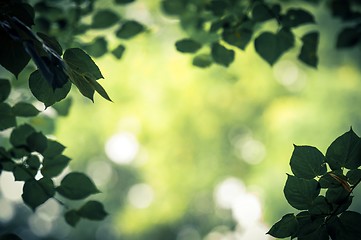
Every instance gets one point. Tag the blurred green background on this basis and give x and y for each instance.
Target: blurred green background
(185, 153)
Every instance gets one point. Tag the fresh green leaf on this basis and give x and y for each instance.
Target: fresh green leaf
(272, 46)
(345, 151)
(285, 227)
(93, 210)
(222, 55)
(261, 13)
(42, 91)
(307, 162)
(97, 48)
(202, 61)
(53, 149)
(118, 51)
(23, 109)
(36, 192)
(20, 134)
(76, 186)
(7, 117)
(104, 18)
(187, 45)
(297, 17)
(52, 167)
(72, 217)
(37, 142)
(354, 176)
(308, 53)
(5, 89)
(237, 37)
(129, 29)
(300, 192)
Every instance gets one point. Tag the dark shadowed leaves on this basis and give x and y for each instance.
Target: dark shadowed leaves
(301, 192)
(307, 162)
(320, 206)
(20, 134)
(22, 173)
(297, 17)
(7, 117)
(118, 51)
(202, 60)
(104, 18)
(63, 107)
(51, 42)
(76, 186)
(332, 179)
(354, 176)
(9, 236)
(53, 149)
(345, 151)
(337, 195)
(97, 48)
(237, 37)
(272, 46)
(52, 167)
(349, 37)
(350, 221)
(72, 217)
(222, 55)
(129, 29)
(36, 192)
(310, 227)
(5, 89)
(308, 53)
(42, 91)
(261, 12)
(36, 141)
(285, 227)
(187, 45)
(23, 109)
(92, 210)
(123, 1)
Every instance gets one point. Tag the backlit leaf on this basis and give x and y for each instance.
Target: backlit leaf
(285, 227)
(36, 192)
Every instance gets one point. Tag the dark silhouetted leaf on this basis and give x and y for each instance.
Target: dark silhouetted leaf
(104, 18)
(7, 117)
(308, 53)
(63, 107)
(320, 206)
(239, 37)
(23, 109)
(53, 149)
(72, 217)
(20, 134)
(10, 236)
(310, 226)
(332, 179)
(354, 176)
(297, 17)
(36, 141)
(33, 162)
(21, 173)
(93, 210)
(129, 29)
(348, 37)
(272, 46)
(118, 51)
(345, 151)
(4, 89)
(261, 13)
(173, 7)
(36, 192)
(337, 195)
(76, 186)
(123, 1)
(301, 192)
(51, 42)
(42, 91)
(307, 162)
(350, 220)
(52, 167)
(187, 45)
(97, 48)
(285, 227)
(222, 55)
(202, 61)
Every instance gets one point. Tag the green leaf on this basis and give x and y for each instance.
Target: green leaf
(51, 42)
(222, 55)
(261, 13)
(36, 192)
(7, 117)
(129, 29)
(310, 226)
(72, 217)
(272, 46)
(81, 63)
(33, 162)
(97, 48)
(187, 45)
(23, 109)
(13, 56)
(351, 222)
(332, 179)
(348, 37)
(37, 142)
(345, 151)
(320, 206)
(63, 107)
(202, 60)
(22, 173)
(285, 227)
(45, 93)
(19, 152)
(337, 195)
(237, 37)
(93, 210)
(104, 18)
(300, 192)
(52, 167)
(354, 176)
(53, 149)
(123, 1)
(76, 186)
(118, 51)
(20, 134)
(308, 53)
(297, 17)
(173, 7)
(5, 89)
(307, 162)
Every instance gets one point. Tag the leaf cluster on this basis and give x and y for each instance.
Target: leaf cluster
(323, 215)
